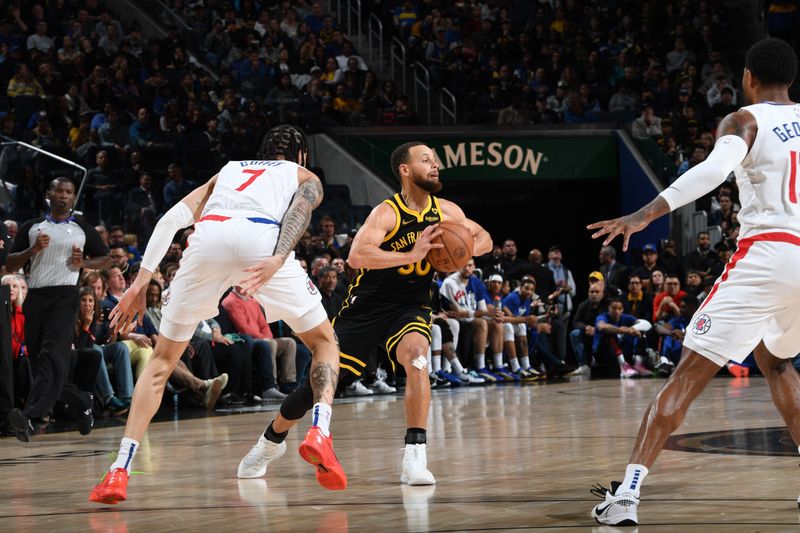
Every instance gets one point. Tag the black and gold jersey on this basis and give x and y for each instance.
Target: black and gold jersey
(408, 284)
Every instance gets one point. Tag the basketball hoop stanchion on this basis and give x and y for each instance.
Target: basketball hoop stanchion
(8, 141)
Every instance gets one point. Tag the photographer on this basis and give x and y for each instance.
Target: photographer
(57, 247)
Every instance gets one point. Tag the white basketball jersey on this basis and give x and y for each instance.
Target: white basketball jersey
(253, 189)
(768, 178)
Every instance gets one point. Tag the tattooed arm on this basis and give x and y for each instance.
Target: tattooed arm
(294, 224)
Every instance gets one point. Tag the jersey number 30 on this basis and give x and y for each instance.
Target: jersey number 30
(253, 175)
(421, 267)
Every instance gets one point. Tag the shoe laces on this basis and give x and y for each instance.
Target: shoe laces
(599, 491)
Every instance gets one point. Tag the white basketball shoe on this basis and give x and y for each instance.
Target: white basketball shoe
(255, 462)
(415, 466)
(616, 509)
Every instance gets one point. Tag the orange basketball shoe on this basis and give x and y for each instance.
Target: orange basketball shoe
(112, 488)
(317, 449)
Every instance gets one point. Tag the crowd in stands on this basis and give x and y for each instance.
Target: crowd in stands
(151, 124)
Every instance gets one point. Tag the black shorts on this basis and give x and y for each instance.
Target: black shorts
(366, 326)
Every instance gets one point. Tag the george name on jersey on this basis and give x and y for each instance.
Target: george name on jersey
(405, 241)
(790, 130)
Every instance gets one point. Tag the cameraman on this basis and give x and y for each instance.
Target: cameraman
(56, 247)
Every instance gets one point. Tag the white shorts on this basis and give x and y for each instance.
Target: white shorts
(215, 259)
(512, 330)
(756, 298)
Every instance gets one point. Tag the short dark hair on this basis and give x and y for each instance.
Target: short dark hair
(614, 299)
(325, 270)
(55, 182)
(400, 156)
(702, 233)
(772, 62)
(118, 245)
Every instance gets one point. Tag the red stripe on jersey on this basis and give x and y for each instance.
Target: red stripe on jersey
(793, 177)
(741, 250)
(214, 218)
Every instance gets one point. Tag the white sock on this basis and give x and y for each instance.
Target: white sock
(127, 449)
(498, 360)
(457, 365)
(321, 417)
(634, 477)
(436, 363)
(621, 360)
(525, 362)
(638, 359)
(480, 360)
(446, 365)
(514, 364)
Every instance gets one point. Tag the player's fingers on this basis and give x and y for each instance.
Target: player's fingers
(605, 230)
(600, 224)
(628, 233)
(436, 245)
(612, 235)
(253, 268)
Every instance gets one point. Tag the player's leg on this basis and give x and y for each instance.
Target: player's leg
(784, 385)
(662, 417)
(411, 352)
(494, 335)
(145, 402)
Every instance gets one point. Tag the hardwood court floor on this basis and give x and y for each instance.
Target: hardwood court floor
(506, 458)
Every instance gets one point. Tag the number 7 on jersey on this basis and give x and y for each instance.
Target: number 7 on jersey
(254, 174)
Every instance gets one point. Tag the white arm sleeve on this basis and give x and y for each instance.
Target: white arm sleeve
(178, 217)
(728, 153)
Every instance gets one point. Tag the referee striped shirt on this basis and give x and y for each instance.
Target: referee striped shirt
(51, 267)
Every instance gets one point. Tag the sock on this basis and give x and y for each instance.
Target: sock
(321, 417)
(514, 364)
(415, 436)
(272, 436)
(498, 360)
(436, 363)
(480, 360)
(621, 360)
(634, 477)
(525, 362)
(638, 359)
(457, 365)
(127, 449)
(446, 366)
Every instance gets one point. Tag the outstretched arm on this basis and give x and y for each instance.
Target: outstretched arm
(736, 133)
(295, 222)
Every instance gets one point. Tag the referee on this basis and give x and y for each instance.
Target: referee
(57, 246)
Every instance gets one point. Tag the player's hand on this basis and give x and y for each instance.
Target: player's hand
(129, 311)
(76, 259)
(544, 328)
(42, 242)
(219, 338)
(625, 226)
(531, 321)
(589, 331)
(423, 243)
(678, 334)
(260, 274)
(458, 314)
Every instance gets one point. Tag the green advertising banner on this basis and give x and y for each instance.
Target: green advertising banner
(470, 158)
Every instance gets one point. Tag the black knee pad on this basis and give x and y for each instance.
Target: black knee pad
(298, 403)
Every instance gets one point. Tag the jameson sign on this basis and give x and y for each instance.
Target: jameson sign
(505, 158)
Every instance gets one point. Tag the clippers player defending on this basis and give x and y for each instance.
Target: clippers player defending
(755, 304)
(248, 219)
(388, 305)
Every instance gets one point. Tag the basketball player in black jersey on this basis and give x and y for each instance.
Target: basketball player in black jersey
(388, 305)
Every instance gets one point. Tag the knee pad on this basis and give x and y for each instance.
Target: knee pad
(508, 332)
(298, 403)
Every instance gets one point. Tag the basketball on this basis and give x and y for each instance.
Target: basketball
(458, 245)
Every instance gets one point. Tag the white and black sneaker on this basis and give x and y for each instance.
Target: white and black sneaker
(616, 509)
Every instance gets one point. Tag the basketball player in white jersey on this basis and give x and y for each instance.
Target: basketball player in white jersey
(755, 303)
(248, 219)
